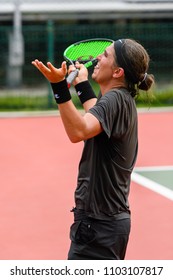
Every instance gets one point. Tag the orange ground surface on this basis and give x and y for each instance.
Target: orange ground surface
(38, 170)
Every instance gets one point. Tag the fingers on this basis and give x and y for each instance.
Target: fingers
(36, 62)
(64, 67)
(51, 73)
(45, 70)
(71, 68)
(40, 66)
(51, 67)
(79, 65)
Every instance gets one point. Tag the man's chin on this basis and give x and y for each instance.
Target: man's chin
(93, 76)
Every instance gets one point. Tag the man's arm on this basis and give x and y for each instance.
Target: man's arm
(77, 126)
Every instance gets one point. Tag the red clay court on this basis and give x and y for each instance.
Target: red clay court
(38, 171)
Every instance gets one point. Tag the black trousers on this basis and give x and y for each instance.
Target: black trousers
(93, 239)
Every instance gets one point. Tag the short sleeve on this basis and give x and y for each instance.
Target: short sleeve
(112, 111)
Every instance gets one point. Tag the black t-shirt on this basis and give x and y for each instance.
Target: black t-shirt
(108, 158)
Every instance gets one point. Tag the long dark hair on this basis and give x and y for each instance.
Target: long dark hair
(134, 59)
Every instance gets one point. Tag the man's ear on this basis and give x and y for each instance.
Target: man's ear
(118, 73)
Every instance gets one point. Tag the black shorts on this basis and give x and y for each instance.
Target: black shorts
(93, 239)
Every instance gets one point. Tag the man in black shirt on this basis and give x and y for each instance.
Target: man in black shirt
(109, 130)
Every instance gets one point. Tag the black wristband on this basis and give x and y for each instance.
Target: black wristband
(85, 91)
(61, 92)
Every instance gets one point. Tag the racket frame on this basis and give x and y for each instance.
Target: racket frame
(87, 63)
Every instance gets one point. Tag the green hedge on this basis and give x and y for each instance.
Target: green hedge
(157, 99)
(24, 103)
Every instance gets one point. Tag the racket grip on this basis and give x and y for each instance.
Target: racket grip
(71, 77)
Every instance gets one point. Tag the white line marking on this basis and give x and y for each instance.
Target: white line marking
(145, 182)
(154, 168)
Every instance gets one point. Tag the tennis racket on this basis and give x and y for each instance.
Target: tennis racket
(85, 52)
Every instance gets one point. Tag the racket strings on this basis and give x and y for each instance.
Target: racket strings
(87, 51)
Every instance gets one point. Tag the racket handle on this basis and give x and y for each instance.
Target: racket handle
(74, 73)
(71, 77)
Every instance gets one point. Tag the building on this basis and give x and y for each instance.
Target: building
(86, 9)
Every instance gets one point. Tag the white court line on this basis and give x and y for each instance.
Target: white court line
(145, 182)
(154, 168)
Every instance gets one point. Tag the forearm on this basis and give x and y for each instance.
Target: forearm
(89, 104)
(73, 121)
(77, 126)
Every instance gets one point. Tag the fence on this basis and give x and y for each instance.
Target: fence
(47, 41)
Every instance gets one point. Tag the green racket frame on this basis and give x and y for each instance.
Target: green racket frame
(85, 52)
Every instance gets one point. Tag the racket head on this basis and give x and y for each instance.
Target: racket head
(86, 50)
